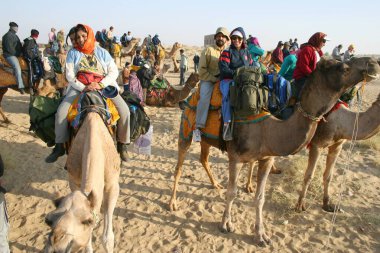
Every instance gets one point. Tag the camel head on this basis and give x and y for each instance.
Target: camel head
(71, 223)
(177, 46)
(331, 78)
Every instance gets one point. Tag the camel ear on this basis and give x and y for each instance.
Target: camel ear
(325, 64)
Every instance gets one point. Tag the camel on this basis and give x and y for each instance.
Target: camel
(332, 134)
(93, 165)
(173, 95)
(266, 139)
(8, 80)
(164, 54)
(130, 50)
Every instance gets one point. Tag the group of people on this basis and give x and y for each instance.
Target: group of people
(220, 63)
(346, 56)
(29, 50)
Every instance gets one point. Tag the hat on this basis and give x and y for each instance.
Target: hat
(34, 32)
(237, 33)
(326, 38)
(287, 43)
(223, 31)
(13, 24)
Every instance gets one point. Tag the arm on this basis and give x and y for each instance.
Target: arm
(285, 67)
(304, 61)
(71, 73)
(112, 71)
(224, 64)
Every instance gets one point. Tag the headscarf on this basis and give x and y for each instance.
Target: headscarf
(89, 44)
(316, 39)
(255, 41)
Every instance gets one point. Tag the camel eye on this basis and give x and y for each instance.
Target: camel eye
(88, 222)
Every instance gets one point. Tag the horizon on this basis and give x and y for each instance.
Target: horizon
(188, 23)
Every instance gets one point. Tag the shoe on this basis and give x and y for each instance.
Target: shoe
(227, 132)
(58, 150)
(22, 91)
(197, 135)
(123, 150)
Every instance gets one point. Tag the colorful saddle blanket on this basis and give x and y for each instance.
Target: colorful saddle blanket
(213, 123)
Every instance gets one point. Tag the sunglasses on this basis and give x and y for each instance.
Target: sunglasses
(236, 38)
(324, 41)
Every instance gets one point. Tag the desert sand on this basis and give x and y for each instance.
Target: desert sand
(142, 221)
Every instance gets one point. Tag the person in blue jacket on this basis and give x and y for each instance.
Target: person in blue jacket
(237, 55)
(255, 50)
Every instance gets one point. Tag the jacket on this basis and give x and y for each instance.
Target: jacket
(231, 59)
(102, 56)
(256, 52)
(145, 76)
(288, 66)
(209, 64)
(30, 49)
(306, 61)
(11, 44)
(277, 56)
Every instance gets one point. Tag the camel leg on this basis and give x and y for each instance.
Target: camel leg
(183, 146)
(332, 156)
(314, 154)
(234, 170)
(2, 93)
(262, 176)
(108, 238)
(249, 185)
(205, 151)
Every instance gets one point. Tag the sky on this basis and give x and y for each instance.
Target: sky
(345, 22)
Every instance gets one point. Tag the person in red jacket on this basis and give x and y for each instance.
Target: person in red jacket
(310, 53)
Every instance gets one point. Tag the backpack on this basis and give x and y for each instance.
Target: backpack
(139, 120)
(280, 91)
(248, 95)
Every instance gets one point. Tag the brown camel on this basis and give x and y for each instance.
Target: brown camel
(8, 80)
(272, 137)
(164, 54)
(173, 96)
(130, 50)
(332, 134)
(94, 167)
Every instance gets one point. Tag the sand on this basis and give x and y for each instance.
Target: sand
(142, 221)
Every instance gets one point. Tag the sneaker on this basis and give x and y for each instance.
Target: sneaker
(197, 135)
(227, 132)
(58, 150)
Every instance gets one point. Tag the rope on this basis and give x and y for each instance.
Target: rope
(346, 166)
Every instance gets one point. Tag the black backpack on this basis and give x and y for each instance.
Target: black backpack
(139, 120)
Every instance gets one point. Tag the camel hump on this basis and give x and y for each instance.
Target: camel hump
(23, 63)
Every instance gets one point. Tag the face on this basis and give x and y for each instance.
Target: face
(237, 41)
(220, 40)
(81, 38)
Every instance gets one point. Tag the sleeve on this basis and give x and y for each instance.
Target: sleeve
(285, 67)
(204, 61)
(224, 64)
(112, 70)
(70, 72)
(27, 50)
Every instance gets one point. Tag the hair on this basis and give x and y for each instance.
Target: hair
(111, 27)
(181, 50)
(72, 31)
(34, 32)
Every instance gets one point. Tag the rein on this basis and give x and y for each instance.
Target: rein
(308, 115)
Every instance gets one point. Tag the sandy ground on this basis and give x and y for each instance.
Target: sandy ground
(142, 222)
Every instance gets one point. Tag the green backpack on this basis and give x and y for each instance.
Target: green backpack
(248, 95)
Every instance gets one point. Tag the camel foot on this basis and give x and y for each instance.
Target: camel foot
(275, 170)
(227, 227)
(173, 205)
(329, 208)
(249, 188)
(300, 207)
(264, 240)
(217, 186)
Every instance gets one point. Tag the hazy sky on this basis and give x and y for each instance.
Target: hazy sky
(345, 22)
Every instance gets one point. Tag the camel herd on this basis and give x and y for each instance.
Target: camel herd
(94, 165)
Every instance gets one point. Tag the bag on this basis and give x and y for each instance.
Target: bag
(139, 120)
(42, 117)
(280, 91)
(88, 77)
(143, 144)
(55, 64)
(248, 95)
